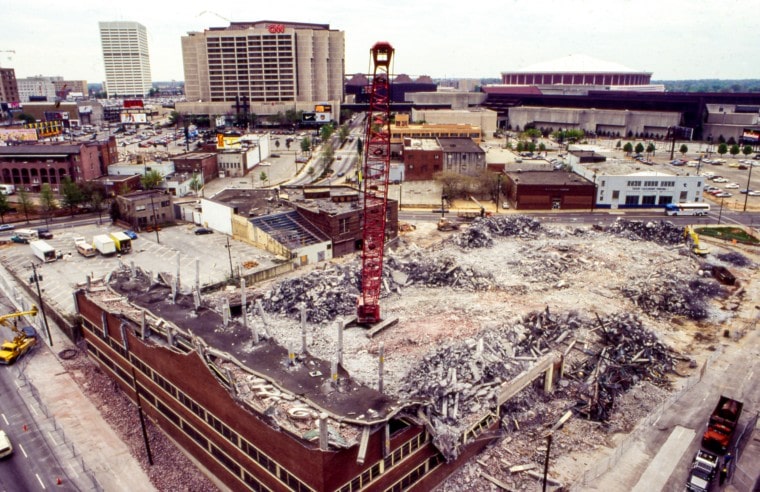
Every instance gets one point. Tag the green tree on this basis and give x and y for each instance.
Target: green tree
(26, 118)
(263, 177)
(328, 152)
(25, 203)
(542, 147)
(326, 131)
(96, 202)
(343, 132)
(195, 183)
(722, 149)
(71, 195)
(173, 118)
(5, 207)
(48, 202)
(747, 150)
(639, 148)
(618, 144)
(683, 149)
(151, 180)
(735, 150)
(277, 143)
(306, 145)
(628, 147)
(651, 148)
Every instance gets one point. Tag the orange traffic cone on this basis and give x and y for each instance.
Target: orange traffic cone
(58, 481)
(25, 428)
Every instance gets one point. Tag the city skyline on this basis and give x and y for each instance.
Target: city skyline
(673, 40)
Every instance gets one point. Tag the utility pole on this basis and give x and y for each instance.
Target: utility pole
(746, 195)
(546, 461)
(229, 253)
(155, 220)
(42, 304)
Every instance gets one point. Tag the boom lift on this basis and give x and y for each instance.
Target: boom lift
(22, 342)
(377, 155)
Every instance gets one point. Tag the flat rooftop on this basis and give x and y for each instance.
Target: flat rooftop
(547, 178)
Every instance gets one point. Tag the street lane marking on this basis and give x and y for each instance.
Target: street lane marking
(5, 419)
(40, 480)
(23, 450)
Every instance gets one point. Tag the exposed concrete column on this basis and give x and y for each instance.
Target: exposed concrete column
(381, 363)
(549, 379)
(340, 342)
(303, 328)
(323, 434)
(243, 302)
(334, 372)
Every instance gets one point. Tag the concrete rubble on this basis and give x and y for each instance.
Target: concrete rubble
(481, 305)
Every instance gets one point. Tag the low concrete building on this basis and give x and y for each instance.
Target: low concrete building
(145, 208)
(462, 156)
(423, 157)
(607, 122)
(626, 184)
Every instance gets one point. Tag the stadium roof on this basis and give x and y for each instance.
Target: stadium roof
(576, 64)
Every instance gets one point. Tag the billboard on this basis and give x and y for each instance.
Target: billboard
(227, 141)
(136, 118)
(47, 128)
(750, 135)
(18, 135)
(133, 103)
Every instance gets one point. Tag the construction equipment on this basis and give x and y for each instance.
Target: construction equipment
(483, 212)
(693, 238)
(24, 340)
(722, 424)
(377, 155)
(445, 224)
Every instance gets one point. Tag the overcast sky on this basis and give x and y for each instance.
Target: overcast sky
(674, 39)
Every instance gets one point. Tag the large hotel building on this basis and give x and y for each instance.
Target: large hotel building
(126, 58)
(270, 66)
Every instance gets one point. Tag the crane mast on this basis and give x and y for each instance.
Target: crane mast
(377, 156)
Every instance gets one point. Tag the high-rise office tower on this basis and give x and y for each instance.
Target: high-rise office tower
(126, 58)
(264, 62)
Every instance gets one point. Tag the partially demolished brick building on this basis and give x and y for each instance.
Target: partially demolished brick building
(255, 414)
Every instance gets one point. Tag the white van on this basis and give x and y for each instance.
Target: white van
(6, 448)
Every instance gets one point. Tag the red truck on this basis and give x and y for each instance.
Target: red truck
(722, 424)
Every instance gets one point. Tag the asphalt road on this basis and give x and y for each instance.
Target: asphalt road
(33, 465)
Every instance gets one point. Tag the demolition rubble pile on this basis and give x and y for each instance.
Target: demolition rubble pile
(660, 232)
(459, 381)
(481, 232)
(669, 295)
(332, 292)
(735, 258)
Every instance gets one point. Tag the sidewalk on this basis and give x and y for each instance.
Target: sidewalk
(93, 441)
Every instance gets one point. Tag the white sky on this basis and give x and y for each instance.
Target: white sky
(674, 39)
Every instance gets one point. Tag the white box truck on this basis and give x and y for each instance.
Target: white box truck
(122, 241)
(104, 244)
(43, 251)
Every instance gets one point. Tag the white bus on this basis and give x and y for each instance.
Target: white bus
(687, 209)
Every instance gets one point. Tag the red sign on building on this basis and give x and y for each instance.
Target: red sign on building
(276, 28)
(133, 103)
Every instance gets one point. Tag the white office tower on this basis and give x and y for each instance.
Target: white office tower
(126, 58)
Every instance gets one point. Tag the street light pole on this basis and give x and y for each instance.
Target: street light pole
(229, 253)
(720, 214)
(42, 304)
(498, 191)
(746, 195)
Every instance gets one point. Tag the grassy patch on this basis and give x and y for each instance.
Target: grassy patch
(727, 233)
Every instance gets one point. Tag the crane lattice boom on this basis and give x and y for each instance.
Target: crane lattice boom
(377, 155)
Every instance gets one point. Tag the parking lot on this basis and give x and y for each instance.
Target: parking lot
(156, 254)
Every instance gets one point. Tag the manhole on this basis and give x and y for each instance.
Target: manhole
(68, 353)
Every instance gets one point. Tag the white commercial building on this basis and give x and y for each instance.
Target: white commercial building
(39, 88)
(625, 185)
(126, 59)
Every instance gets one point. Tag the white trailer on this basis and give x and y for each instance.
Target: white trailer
(43, 251)
(104, 244)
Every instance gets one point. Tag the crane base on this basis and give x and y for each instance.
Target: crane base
(374, 328)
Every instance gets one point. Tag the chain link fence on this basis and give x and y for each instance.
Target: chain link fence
(591, 475)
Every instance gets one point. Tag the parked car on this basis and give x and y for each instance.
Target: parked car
(203, 230)
(722, 194)
(131, 235)
(44, 234)
(720, 179)
(6, 227)
(754, 193)
(732, 186)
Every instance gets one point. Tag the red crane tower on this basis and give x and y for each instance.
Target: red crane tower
(377, 157)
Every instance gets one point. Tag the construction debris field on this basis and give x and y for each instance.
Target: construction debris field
(631, 309)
